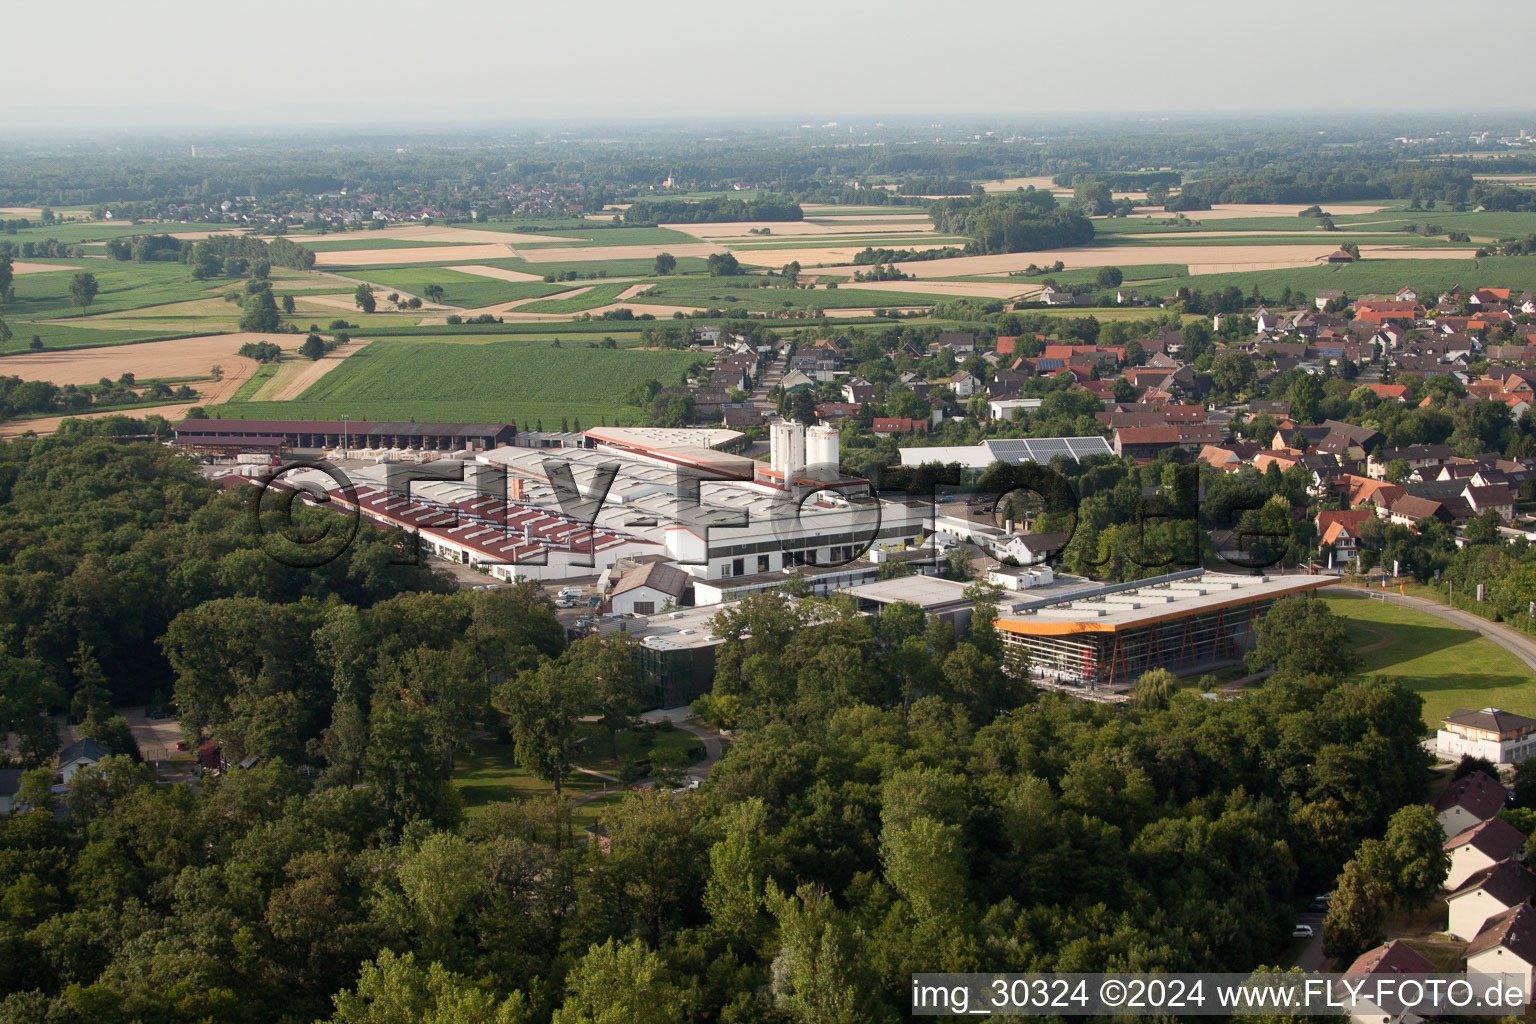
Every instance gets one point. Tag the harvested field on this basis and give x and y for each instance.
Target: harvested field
(424, 254)
(18, 267)
(498, 273)
(1200, 259)
(188, 357)
(444, 235)
(1230, 211)
(198, 236)
(592, 253)
(828, 255)
(1040, 181)
(948, 289)
(741, 231)
(286, 386)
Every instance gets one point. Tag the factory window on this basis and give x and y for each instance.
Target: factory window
(645, 607)
(762, 563)
(738, 567)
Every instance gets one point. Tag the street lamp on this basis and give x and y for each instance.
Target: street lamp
(344, 419)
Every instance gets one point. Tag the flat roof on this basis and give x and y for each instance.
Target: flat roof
(665, 438)
(1111, 608)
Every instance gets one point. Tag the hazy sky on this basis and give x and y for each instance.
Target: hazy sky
(315, 61)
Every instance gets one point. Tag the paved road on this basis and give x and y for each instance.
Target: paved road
(1311, 956)
(1513, 641)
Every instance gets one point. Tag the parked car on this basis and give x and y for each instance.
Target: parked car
(157, 713)
(1317, 907)
(1302, 931)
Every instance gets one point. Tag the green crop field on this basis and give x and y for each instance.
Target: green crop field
(63, 336)
(598, 295)
(122, 286)
(492, 382)
(1372, 276)
(1447, 666)
(97, 231)
(717, 293)
(469, 291)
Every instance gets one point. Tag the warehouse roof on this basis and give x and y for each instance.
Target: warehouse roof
(1113, 608)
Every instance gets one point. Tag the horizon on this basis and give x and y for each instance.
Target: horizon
(809, 62)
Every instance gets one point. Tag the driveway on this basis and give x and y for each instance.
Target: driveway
(156, 737)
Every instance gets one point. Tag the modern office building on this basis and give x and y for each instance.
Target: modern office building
(1107, 635)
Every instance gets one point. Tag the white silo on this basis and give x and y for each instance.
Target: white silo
(787, 449)
(821, 447)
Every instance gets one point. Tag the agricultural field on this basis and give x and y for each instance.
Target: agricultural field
(591, 297)
(1374, 276)
(467, 291)
(493, 381)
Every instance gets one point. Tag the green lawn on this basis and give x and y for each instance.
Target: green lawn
(1447, 666)
(122, 286)
(498, 381)
(487, 773)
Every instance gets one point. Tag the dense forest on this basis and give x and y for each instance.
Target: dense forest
(897, 801)
(1020, 221)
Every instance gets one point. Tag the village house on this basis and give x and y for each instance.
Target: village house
(1486, 895)
(1481, 846)
(1506, 945)
(1390, 958)
(80, 754)
(1338, 533)
(1468, 802)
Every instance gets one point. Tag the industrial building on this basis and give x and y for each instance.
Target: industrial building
(212, 436)
(1107, 635)
(1012, 450)
(574, 512)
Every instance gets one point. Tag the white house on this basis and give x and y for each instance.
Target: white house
(964, 383)
(1486, 895)
(1004, 408)
(80, 754)
(1028, 548)
(1506, 945)
(1053, 296)
(1391, 958)
(1490, 733)
(1482, 846)
(648, 589)
(1468, 802)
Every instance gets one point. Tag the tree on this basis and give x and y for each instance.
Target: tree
(1398, 470)
(1306, 400)
(1484, 529)
(393, 989)
(5, 334)
(364, 299)
(259, 313)
(1302, 636)
(7, 279)
(665, 264)
(83, 288)
(1360, 903)
(1110, 277)
(1155, 689)
(288, 306)
(543, 706)
(313, 347)
(433, 293)
(1415, 843)
(622, 983)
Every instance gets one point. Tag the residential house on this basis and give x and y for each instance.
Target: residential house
(1468, 802)
(836, 410)
(1322, 298)
(1493, 734)
(1338, 533)
(1418, 456)
(796, 379)
(80, 754)
(1390, 960)
(1481, 846)
(858, 391)
(1147, 442)
(1029, 548)
(1506, 945)
(887, 426)
(1053, 296)
(1410, 509)
(1495, 498)
(1006, 344)
(961, 343)
(1487, 894)
(964, 384)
